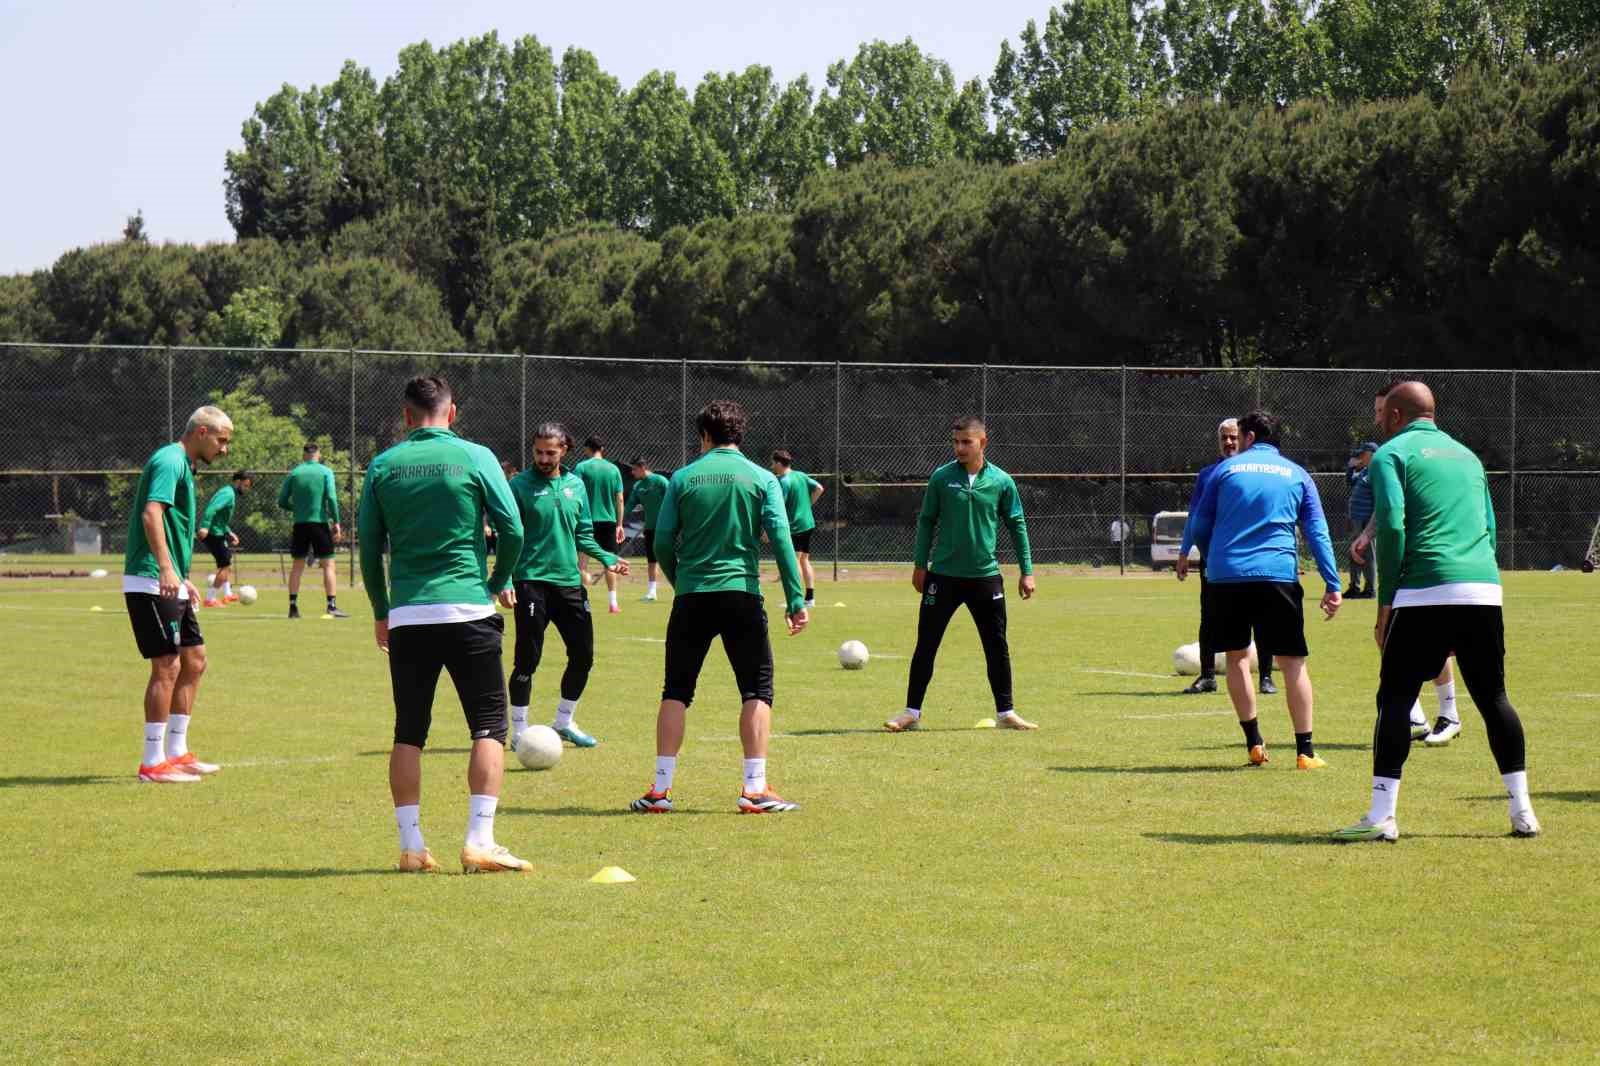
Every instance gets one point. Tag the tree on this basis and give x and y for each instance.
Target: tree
(253, 318)
(134, 230)
(890, 102)
(665, 172)
(369, 303)
(586, 127)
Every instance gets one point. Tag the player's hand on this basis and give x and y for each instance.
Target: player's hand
(194, 593)
(1359, 546)
(620, 568)
(1181, 567)
(797, 621)
(338, 532)
(233, 540)
(919, 579)
(1330, 604)
(380, 633)
(1026, 586)
(169, 582)
(507, 598)
(1381, 630)
(198, 537)
(620, 536)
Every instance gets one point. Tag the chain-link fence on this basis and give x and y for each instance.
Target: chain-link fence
(1097, 452)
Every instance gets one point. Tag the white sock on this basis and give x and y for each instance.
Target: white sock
(1417, 717)
(564, 712)
(1385, 796)
(1447, 701)
(409, 821)
(480, 822)
(755, 776)
(154, 734)
(613, 597)
(652, 591)
(519, 721)
(1517, 791)
(227, 588)
(666, 766)
(916, 714)
(1006, 714)
(177, 736)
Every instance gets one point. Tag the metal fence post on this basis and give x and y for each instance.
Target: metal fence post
(838, 462)
(983, 393)
(683, 413)
(350, 541)
(1122, 504)
(172, 429)
(522, 425)
(1511, 505)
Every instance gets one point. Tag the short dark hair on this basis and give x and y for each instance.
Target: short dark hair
(641, 461)
(965, 422)
(1264, 424)
(784, 456)
(595, 444)
(243, 475)
(724, 421)
(553, 429)
(427, 394)
(311, 448)
(1387, 389)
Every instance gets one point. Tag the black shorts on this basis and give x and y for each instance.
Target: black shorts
(314, 538)
(161, 626)
(1271, 608)
(649, 545)
(700, 617)
(471, 652)
(218, 547)
(802, 541)
(605, 534)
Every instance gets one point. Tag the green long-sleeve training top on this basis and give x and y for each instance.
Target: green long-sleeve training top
(309, 492)
(960, 522)
(555, 527)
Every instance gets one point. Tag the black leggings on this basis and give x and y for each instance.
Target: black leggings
(985, 598)
(1419, 641)
(538, 604)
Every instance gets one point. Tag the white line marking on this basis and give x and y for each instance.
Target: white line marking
(307, 760)
(642, 640)
(1181, 714)
(1125, 673)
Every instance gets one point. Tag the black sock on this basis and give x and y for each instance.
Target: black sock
(293, 596)
(1208, 675)
(1302, 744)
(811, 594)
(1252, 732)
(333, 602)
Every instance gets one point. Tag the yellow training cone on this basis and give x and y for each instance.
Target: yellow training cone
(984, 723)
(838, 605)
(612, 875)
(97, 608)
(327, 618)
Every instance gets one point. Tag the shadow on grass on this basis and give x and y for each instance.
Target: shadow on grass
(601, 812)
(425, 751)
(1241, 838)
(263, 874)
(1209, 768)
(58, 781)
(1162, 695)
(1560, 797)
(879, 729)
(1320, 746)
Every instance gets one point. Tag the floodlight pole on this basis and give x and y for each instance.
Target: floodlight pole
(1511, 505)
(172, 431)
(354, 503)
(838, 471)
(683, 413)
(1122, 506)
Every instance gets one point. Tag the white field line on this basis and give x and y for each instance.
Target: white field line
(1176, 714)
(303, 761)
(1126, 673)
(643, 640)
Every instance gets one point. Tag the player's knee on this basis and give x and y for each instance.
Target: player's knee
(193, 661)
(487, 721)
(581, 659)
(164, 669)
(679, 693)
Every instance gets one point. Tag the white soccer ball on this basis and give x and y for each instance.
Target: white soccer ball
(853, 655)
(538, 747)
(97, 572)
(1186, 659)
(247, 594)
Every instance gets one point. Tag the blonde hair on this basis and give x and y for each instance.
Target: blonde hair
(210, 417)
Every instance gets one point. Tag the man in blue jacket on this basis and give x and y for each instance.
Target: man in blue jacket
(1359, 477)
(1244, 525)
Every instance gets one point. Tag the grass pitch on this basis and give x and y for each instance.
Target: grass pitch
(1114, 888)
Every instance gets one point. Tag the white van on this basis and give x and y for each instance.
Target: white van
(1166, 537)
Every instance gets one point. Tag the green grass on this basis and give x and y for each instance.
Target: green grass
(1113, 888)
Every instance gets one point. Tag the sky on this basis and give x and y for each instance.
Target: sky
(113, 108)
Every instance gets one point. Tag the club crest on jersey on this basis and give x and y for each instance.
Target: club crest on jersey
(567, 493)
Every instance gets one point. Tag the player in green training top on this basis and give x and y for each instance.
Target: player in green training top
(426, 497)
(309, 492)
(708, 538)
(555, 523)
(1438, 592)
(604, 483)
(161, 598)
(220, 539)
(647, 492)
(799, 494)
(966, 503)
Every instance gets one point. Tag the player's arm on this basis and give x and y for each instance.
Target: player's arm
(331, 491)
(667, 534)
(152, 518)
(1011, 515)
(775, 520)
(372, 534)
(1388, 522)
(584, 535)
(815, 488)
(1315, 525)
(632, 500)
(501, 509)
(616, 508)
(1197, 530)
(927, 522)
(1488, 513)
(285, 497)
(213, 506)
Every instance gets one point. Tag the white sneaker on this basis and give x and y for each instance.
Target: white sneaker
(1387, 830)
(1444, 731)
(1524, 824)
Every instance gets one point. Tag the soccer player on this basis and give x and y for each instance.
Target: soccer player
(800, 493)
(647, 492)
(966, 501)
(426, 497)
(603, 481)
(161, 598)
(220, 540)
(1227, 444)
(1448, 723)
(1357, 474)
(1438, 591)
(708, 541)
(1244, 526)
(554, 508)
(309, 492)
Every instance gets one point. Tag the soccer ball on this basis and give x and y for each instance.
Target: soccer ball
(852, 655)
(538, 747)
(247, 594)
(1186, 659)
